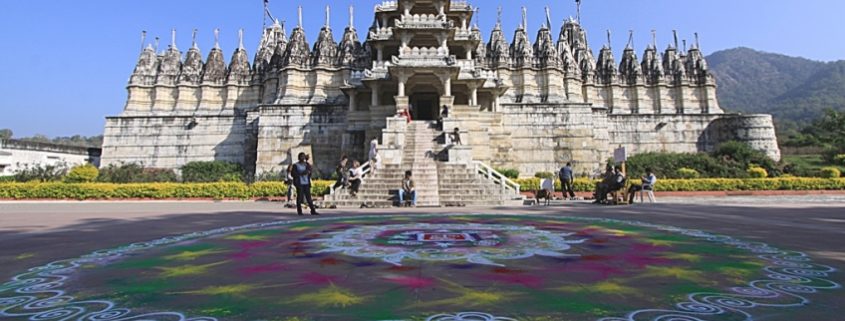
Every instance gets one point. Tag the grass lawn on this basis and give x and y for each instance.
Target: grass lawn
(809, 162)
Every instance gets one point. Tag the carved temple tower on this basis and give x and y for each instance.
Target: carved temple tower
(529, 105)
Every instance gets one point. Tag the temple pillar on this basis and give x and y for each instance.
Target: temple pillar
(375, 97)
(380, 53)
(353, 101)
(473, 94)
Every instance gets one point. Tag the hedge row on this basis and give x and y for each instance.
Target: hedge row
(104, 191)
(712, 184)
(224, 190)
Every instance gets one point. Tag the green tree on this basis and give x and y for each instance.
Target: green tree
(6, 133)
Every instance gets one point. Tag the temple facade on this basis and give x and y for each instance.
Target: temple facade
(523, 104)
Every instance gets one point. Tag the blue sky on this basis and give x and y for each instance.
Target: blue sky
(65, 63)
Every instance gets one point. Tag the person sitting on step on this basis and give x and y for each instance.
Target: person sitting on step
(408, 192)
(356, 176)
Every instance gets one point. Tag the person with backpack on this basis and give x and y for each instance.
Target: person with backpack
(301, 173)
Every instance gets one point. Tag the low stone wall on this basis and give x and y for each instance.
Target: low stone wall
(173, 141)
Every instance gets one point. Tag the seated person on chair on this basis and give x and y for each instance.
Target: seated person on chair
(408, 190)
(603, 187)
(648, 182)
(616, 183)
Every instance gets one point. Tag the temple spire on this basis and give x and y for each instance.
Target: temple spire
(241, 39)
(609, 35)
(548, 18)
(156, 45)
(173, 38)
(685, 45)
(630, 44)
(217, 38)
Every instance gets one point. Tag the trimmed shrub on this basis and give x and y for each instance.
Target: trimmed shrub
(209, 172)
(757, 172)
(839, 159)
(509, 172)
(41, 173)
(687, 173)
(5, 179)
(742, 154)
(666, 165)
(91, 191)
(546, 175)
(135, 173)
(830, 172)
(82, 174)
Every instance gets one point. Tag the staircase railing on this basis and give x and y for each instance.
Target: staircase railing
(508, 186)
(365, 171)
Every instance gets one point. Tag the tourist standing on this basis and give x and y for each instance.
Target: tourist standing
(302, 180)
(566, 178)
(408, 190)
(456, 137)
(340, 171)
(374, 157)
(289, 182)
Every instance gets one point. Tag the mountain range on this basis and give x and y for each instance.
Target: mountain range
(795, 90)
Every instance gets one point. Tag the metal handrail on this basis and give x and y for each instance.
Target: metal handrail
(494, 176)
(365, 169)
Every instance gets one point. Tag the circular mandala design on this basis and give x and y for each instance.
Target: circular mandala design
(475, 243)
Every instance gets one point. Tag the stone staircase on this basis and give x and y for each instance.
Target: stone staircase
(437, 183)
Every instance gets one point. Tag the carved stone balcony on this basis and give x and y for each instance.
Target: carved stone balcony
(423, 21)
(381, 34)
(460, 6)
(466, 35)
(387, 6)
(425, 61)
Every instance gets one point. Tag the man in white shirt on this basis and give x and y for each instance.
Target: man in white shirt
(648, 182)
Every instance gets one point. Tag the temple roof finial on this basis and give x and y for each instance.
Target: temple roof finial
(630, 44)
(499, 17)
(697, 44)
(173, 38)
(578, 5)
(156, 44)
(352, 17)
(299, 10)
(548, 18)
(685, 45)
(194, 40)
(675, 35)
(328, 16)
(654, 39)
(609, 35)
(525, 19)
(143, 39)
(217, 38)
(241, 39)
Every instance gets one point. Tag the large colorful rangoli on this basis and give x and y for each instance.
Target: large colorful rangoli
(424, 267)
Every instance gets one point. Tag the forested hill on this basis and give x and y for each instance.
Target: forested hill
(795, 90)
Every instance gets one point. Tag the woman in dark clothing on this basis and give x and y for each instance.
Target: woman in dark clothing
(340, 171)
(301, 173)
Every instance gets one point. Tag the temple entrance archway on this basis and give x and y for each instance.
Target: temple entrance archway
(425, 105)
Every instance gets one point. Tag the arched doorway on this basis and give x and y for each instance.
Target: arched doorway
(425, 103)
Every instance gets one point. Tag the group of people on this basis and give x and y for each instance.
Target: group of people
(613, 179)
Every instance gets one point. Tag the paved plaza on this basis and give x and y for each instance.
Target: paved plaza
(740, 258)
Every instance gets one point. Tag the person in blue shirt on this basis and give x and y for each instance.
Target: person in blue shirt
(566, 178)
(301, 173)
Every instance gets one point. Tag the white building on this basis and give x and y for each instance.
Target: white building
(16, 155)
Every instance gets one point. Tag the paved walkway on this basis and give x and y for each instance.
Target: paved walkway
(34, 233)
